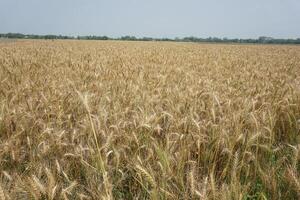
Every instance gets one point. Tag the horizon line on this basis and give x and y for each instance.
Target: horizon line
(141, 37)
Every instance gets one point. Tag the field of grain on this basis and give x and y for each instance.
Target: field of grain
(149, 120)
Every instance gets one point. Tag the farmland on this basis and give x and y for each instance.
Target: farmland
(149, 120)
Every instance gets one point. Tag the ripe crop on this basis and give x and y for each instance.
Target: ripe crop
(149, 120)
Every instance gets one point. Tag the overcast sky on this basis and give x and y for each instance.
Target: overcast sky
(155, 18)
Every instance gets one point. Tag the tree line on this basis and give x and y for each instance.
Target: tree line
(260, 40)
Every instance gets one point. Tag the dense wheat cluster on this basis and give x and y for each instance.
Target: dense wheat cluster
(149, 120)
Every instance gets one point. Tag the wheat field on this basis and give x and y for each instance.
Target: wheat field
(149, 120)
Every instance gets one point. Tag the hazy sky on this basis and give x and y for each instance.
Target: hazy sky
(155, 18)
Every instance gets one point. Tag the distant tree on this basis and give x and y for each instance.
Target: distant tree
(262, 39)
(129, 38)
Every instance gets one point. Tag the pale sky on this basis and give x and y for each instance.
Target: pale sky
(153, 18)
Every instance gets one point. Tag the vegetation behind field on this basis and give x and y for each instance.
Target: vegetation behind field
(148, 120)
(260, 40)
